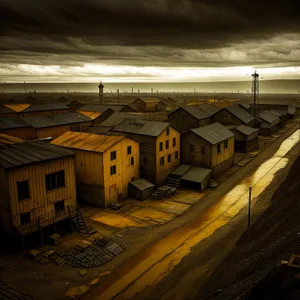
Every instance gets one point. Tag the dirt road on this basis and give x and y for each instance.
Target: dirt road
(169, 269)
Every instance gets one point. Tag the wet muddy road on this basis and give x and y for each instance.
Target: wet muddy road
(150, 267)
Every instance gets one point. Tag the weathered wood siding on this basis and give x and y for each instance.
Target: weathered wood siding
(227, 118)
(44, 113)
(25, 133)
(41, 202)
(53, 132)
(160, 106)
(5, 215)
(139, 105)
(183, 121)
(224, 154)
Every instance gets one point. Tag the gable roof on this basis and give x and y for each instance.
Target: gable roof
(268, 117)
(9, 123)
(200, 112)
(291, 111)
(17, 107)
(30, 152)
(117, 118)
(196, 174)
(87, 141)
(45, 107)
(149, 99)
(213, 133)
(240, 113)
(5, 110)
(246, 130)
(100, 107)
(142, 184)
(141, 127)
(8, 139)
(55, 120)
(91, 114)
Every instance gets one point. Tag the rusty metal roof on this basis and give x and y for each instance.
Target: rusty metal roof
(45, 106)
(87, 141)
(213, 133)
(8, 123)
(142, 184)
(141, 127)
(8, 139)
(100, 107)
(240, 113)
(196, 174)
(246, 129)
(91, 114)
(30, 152)
(55, 120)
(17, 107)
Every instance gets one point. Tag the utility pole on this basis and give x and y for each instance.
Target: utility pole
(255, 91)
(249, 207)
(118, 91)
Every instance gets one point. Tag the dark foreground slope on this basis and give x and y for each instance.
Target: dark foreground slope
(253, 269)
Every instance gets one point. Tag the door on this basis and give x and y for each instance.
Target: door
(113, 196)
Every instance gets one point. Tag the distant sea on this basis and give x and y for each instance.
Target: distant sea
(266, 86)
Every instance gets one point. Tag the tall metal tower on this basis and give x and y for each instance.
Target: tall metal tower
(255, 91)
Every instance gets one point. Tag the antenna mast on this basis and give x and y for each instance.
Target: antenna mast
(255, 91)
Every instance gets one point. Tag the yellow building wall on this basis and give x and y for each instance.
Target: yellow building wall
(116, 186)
(225, 154)
(41, 202)
(53, 132)
(162, 172)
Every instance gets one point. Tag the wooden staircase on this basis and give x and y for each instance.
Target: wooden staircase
(80, 223)
(173, 182)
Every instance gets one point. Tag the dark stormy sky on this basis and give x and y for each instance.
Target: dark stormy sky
(148, 40)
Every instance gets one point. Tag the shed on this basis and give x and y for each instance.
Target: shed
(282, 115)
(141, 189)
(147, 104)
(196, 177)
(291, 112)
(245, 139)
(269, 123)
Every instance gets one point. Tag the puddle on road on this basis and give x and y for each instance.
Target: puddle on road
(159, 260)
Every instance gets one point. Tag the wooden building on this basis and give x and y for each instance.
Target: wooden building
(263, 106)
(44, 109)
(148, 104)
(73, 105)
(269, 123)
(104, 165)
(291, 112)
(188, 117)
(233, 115)
(17, 127)
(141, 189)
(245, 138)
(282, 115)
(159, 147)
(56, 125)
(211, 146)
(37, 186)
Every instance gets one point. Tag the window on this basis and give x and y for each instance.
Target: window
(132, 161)
(176, 155)
(225, 144)
(168, 131)
(192, 148)
(113, 155)
(167, 144)
(25, 218)
(160, 146)
(55, 180)
(113, 170)
(202, 149)
(162, 161)
(169, 158)
(128, 150)
(23, 190)
(174, 142)
(59, 207)
(219, 148)
(145, 161)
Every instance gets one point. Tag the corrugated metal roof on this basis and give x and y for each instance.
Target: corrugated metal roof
(142, 184)
(8, 139)
(45, 106)
(17, 107)
(246, 129)
(141, 127)
(245, 106)
(213, 133)
(87, 141)
(91, 114)
(196, 174)
(29, 152)
(240, 113)
(195, 112)
(181, 169)
(100, 107)
(56, 120)
(291, 110)
(8, 123)
(5, 110)
(98, 129)
(268, 117)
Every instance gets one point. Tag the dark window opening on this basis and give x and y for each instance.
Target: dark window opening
(192, 148)
(219, 148)
(176, 155)
(55, 180)
(59, 207)
(202, 149)
(113, 170)
(113, 155)
(132, 179)
(167, 144)
(226, 144)
(145, 161)
(168, 131)
(23, 190)
(174, 142)
(161, 146)
(169, 158)
(128, 150)
(132, 161)
(162, 161)
(25, 218)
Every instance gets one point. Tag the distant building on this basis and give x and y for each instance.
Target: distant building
(73, 105)
(282, 115)
(211, 146)
(105, 165)
(37, 186)
(269, 123)
(159, 147)
(44, 109)
(245, 138)
(263, 106)
(148, 104)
